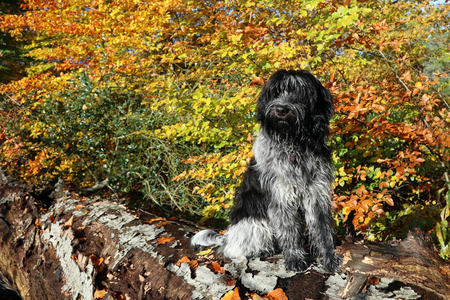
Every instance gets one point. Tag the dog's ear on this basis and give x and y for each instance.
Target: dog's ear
(325, 102)
(261, 104)
(323, 110)
(322, 106)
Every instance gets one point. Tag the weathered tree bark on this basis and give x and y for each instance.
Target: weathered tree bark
(411, 260)
(58, 245)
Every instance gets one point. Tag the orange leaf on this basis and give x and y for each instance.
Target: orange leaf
(69, 222)
(389, 201)
(380, 212)
(100, 294)
(232, 295)
(184, 259)
(193, 264)
(231, 282)
(257, 81)
(276, 294)
(164, 240)
(97, 261)
(444, 270)
(79, 206)
(154, 220)
(162, 223)
(217, 268)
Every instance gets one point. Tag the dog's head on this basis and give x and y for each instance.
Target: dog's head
(293, 104)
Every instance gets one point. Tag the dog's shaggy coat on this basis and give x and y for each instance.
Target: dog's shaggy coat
(284, 199)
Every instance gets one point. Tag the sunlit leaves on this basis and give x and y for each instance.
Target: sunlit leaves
(163, 93)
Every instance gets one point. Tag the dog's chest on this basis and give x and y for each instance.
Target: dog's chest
(285, 182)
(281, 173)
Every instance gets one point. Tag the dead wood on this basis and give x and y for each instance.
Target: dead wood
(412, 261)
(59, 245)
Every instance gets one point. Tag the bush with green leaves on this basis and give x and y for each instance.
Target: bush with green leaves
(90, 131)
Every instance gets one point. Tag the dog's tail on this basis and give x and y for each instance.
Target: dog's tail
(207, 238)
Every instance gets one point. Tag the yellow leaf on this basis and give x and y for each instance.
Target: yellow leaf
(204, 252)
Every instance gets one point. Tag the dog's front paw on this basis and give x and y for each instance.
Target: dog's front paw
(332, 262)
(296, 264)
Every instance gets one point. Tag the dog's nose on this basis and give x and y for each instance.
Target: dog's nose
(281, 111)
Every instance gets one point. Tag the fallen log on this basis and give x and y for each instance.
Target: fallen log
(412, 261)
(59, 245)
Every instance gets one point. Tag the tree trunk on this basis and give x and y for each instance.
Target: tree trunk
(57, 245)
(411, 261)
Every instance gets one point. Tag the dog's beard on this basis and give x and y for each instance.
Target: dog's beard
(283, 122)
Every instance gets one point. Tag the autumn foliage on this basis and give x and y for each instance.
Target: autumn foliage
(159, 97)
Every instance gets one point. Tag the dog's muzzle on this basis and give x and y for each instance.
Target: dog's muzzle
(281, 111)
(282, 114)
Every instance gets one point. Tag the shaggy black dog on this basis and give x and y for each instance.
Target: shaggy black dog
(284, 199)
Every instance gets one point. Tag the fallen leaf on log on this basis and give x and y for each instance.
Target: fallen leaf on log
(164, 240)
(69, 223)
(204, 252)
(97, 261)
(232, 295)
(162, 223)
(155, 219)
(193, 264)
(100, 294)
(217, 268)
(276, 294)
(184, 259)
(231, 282)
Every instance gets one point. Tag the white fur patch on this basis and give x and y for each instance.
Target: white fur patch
(286, 182)
(207, 238)
(249, 237)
